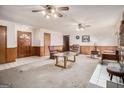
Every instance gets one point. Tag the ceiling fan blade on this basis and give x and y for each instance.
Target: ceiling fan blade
(36, 10)
(59, 15)
(47, 6)
(87, 25)
(63, 8)
(44, 6)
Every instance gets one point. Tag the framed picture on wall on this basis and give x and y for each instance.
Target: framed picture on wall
(86, 38)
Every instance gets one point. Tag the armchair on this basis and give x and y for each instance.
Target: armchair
(75, 48)
(52, 51)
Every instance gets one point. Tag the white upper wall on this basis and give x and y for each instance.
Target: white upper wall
(105, 36)
(37, 34)
(11, 33)
(56, 37)
(12, 29)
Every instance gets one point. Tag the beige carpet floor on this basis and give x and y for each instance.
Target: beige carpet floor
(77, 75)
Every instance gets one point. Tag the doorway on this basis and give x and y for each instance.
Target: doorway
(47, 41)
(3, 44)
(66, 42)
(24, 40)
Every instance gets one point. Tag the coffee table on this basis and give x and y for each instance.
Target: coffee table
(64, 55)
(116, 70)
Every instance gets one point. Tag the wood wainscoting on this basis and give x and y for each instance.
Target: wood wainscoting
(39, 50)
(87, 49)
(35, 51)
(11, 54)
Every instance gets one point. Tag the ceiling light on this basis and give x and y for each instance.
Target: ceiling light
(78, 29)
(43, 12)
(47, 16)
(53, 10)
(55, 15)
(82, 29)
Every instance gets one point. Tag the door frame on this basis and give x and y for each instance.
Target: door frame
(5, 42)
(30, 44)
(44, 41)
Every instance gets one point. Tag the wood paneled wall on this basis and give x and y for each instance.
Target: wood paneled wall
(39, 50)
(35, 51)
(87, 49)
(11, 54)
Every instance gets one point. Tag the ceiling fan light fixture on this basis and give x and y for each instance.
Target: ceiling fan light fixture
(55, 15)
(47, 16)
(78, 29)
(82, 29)
(43, 12)
(53, 11)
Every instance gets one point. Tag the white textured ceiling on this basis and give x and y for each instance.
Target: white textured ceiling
(96, 16)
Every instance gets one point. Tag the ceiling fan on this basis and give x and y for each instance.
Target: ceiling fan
(50, 10)
(82, 26)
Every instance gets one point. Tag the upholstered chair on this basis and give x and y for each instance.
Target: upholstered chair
(52, 51)
(75, 48)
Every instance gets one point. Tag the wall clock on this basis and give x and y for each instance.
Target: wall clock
(77, 37)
